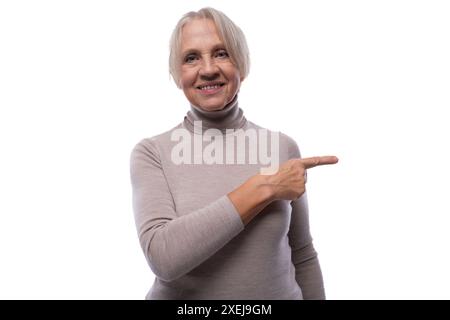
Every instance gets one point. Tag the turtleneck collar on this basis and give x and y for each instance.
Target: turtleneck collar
(230, 117)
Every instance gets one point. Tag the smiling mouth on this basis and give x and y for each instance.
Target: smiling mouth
(210, 87)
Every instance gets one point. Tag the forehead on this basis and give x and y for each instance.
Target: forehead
(199, 34)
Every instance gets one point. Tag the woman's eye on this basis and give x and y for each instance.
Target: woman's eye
(222, 54)
(190, 58)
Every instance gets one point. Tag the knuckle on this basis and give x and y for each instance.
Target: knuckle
(301, 171)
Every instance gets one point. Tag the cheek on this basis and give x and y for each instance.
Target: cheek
(187, 79)
(233, 74)
(236, 80)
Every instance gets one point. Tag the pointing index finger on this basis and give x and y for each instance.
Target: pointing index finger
(318, 161)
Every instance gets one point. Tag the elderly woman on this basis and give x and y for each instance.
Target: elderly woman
(222, 229)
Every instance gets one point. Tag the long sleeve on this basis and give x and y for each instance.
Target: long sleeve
(308, 273)
(304, 257)
(173, 245)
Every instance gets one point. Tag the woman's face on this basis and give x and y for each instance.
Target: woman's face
(208, 78)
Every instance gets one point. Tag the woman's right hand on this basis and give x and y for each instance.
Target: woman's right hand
(288, 183)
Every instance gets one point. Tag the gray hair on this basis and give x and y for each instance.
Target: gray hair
(232, 36)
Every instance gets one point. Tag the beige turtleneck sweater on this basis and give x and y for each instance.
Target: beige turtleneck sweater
(194, 239)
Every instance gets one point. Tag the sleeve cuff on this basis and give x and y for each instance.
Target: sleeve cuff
(231, 215)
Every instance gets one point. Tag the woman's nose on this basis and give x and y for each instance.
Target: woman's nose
(208, 68)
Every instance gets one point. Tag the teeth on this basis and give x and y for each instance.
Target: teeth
(210, 87)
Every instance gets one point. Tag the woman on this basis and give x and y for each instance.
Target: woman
(212, 228)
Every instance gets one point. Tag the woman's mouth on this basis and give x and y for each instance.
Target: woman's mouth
(210, 88)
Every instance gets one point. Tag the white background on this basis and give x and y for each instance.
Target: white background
(81, 82)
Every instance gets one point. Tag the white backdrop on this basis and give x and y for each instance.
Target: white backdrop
(81, 82)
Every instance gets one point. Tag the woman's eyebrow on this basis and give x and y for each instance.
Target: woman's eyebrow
(194, 50)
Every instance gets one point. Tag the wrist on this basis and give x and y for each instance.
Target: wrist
(264, 187)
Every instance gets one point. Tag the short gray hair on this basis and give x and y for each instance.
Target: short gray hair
(232, 36)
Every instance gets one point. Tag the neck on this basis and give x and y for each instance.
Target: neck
(230, 117)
